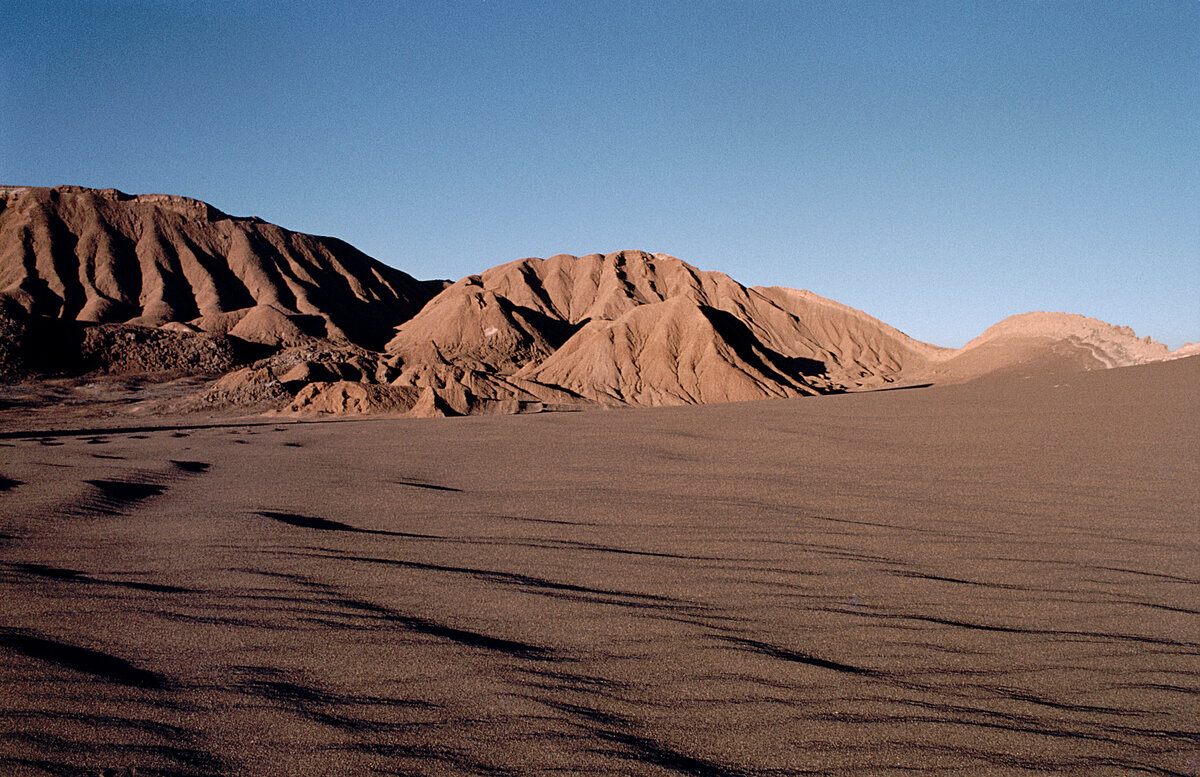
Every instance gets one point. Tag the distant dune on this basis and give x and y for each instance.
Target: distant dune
(97, 281)
(1054, 341)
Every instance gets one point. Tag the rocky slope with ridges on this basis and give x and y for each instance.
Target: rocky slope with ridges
(632, 328)
(157, 287)
(102, 256)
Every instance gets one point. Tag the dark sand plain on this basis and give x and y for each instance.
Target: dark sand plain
(995, 578)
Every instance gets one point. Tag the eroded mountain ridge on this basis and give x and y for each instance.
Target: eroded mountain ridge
(100, 281)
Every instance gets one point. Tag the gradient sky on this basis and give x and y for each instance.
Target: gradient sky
(940, 165)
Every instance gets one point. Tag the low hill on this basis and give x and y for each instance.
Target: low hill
(1032, 343)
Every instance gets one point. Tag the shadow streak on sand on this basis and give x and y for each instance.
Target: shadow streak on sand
(75, 576)
(102, 430)
(191, 467)
(429, 486)
(474, 639)
(346, 712)
(324, 524)
(81, 659)
(116, 495)
(526, 582)
(799, 657)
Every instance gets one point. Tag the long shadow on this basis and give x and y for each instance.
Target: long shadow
(591, 546)
(194, 467)
(956, 580)
(116, 495)
(324, 524)
(649, 751)
(307, 522)
(898, 388)
(610, 727)
(375, 617)
(1193, 647)
(81, 659)
(522, 581)
(464, 637)
(472, 638)
(430, 486)
(801, 658)
(321, 706)
(76, 576)
(1190, 648)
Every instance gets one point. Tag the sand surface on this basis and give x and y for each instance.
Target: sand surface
(995, 578)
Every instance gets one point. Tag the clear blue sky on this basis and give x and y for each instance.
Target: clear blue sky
(940, 165)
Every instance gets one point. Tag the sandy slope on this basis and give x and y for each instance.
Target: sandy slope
(996, 578)
(1039, 342)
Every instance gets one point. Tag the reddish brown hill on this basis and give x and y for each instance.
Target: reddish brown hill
(648, 329)
(104, 256)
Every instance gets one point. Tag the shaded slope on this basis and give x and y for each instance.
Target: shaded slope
(860, 345)
(107, 257)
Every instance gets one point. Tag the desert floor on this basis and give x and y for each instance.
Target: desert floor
(995, 578)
